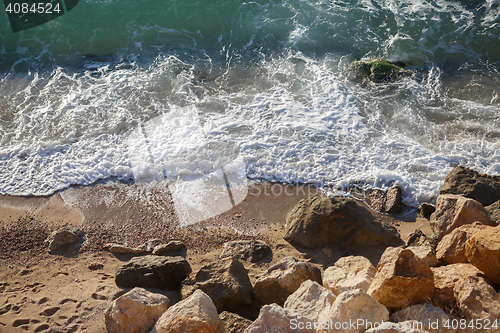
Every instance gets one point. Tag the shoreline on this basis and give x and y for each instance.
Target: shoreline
(29, 276)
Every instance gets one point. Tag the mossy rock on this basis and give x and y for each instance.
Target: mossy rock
(380, 70)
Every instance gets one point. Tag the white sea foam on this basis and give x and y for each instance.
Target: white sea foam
(293, 116)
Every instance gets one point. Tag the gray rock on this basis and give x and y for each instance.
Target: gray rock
(494, 211)
(151, 271)
(234, 323)
(63, 240)
(337, 222)
(172, 248)
(127, 250)
(226, 281)
(418, 238)
(426, 210)
(249, 250)
(394, 200)
(471, 184)
(376, 199)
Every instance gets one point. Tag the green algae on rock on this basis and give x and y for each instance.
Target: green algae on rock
(379, 70)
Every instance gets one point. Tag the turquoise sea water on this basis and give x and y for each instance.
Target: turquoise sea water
(271, 78)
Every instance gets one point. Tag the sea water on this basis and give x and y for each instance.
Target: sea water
(270, 82)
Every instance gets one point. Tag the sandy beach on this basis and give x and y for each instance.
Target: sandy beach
(68, 293)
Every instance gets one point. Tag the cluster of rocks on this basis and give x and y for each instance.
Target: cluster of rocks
(432, 284)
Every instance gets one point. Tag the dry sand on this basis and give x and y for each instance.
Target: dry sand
(68, 293)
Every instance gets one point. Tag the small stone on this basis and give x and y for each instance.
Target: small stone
(95, 266)
(249, 250)
(426, 210)
(64, 239)
(172, 248)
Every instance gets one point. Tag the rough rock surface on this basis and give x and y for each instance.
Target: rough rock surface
(494, 211)
(152, 271)
(274, 319)
(226, 281)
(394, 202)
(250, 250)
(451, 249)
(445, 279)
(311, 300)
(426, 210)
(123, 249)
(390, 202)
(426, 253)
(64, 239)
(338, 222)
(283, 279)
(195, 314)
(135, 312)
(353, 272)
(483, 251)
(432, 318)
(402, 279)
(477, 299)
(418, 238)
(471, 184)
(354, 305)
(453, 211)
(172, 248)
(234, 323)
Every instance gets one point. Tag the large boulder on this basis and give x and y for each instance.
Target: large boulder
(432, 318)
(476, 299)
(453, 211)
(426, 253)
(353, 272)
(195, 314)
(226, 281)
(64, 240)
(402, 279)
(283, 279)
(379, 70)
(336, 222)
(356, 306)
(451, 249)
(311, 300)
(483, 251)
(471, 184)
(135, 312)
(445, 280)
(234, 323)
(494, 211)
(249, 250)
(152, 271)
(274, 319)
